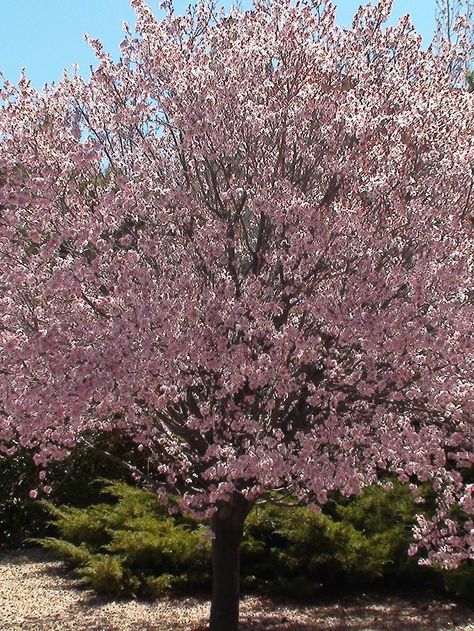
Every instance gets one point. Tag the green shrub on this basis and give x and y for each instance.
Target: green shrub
(106, 575)
(386, 518)
(156, 586)
(131, 546)
(353, 544)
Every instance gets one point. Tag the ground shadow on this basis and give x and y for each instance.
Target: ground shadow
(370, 613)
(359, 613)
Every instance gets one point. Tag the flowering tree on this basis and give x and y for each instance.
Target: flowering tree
(248, 246)
(455, 24)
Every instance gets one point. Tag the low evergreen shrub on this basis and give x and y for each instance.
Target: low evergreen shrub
(352, 544)
(130, 545)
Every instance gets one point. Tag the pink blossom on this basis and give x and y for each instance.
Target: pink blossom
(260, 272)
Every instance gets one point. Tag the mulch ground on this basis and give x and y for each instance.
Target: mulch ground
(38, 594)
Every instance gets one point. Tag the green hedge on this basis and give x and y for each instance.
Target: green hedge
(131, 546)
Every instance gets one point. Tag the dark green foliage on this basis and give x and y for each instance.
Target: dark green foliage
(386, 518)
(20, 517)
(353, 544)
(460, 582)
(71, 480)
(301, 552)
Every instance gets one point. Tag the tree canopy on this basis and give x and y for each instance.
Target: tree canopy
(248, 246)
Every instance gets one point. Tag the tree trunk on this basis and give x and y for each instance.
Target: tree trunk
(228, 526)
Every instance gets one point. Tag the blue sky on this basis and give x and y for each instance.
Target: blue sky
(46, 36)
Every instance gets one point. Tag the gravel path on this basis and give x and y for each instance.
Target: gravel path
(37, 594)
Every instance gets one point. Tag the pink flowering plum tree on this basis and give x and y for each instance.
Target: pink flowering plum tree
(248, 246)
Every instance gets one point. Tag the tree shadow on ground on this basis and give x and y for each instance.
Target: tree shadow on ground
(88, 611)
(371, 613)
